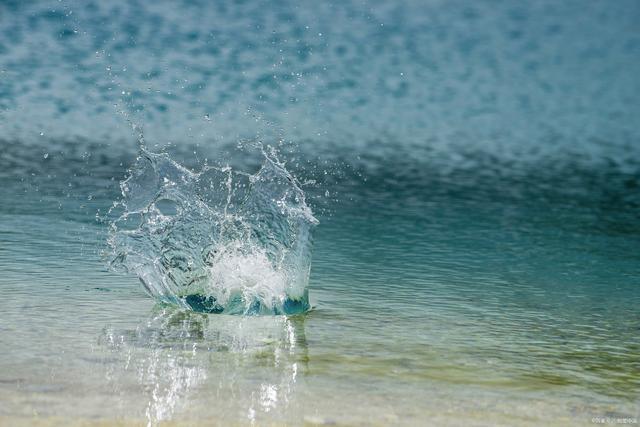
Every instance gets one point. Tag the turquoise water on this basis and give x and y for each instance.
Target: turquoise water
(473, 168)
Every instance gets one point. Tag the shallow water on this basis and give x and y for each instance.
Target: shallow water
(476, 260)
(453, 305)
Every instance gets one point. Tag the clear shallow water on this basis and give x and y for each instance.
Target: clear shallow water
(454, 305)
(476, 260)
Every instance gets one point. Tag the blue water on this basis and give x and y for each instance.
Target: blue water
(473, 167)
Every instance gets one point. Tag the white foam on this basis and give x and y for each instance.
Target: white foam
(237, 271)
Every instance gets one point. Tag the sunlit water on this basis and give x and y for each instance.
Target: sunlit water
(463, 302)
(476, 258)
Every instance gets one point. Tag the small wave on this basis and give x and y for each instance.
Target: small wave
(218, 240)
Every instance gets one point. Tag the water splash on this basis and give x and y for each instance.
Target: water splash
(218, 240)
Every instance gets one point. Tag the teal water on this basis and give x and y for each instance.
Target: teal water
(465, 303)
(473, 168)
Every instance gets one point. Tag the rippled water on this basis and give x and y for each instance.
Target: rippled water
(475, 300)
(473, 167)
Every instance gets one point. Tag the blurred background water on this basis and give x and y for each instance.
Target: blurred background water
(474, 167)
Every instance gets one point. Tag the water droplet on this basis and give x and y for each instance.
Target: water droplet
(41, 133)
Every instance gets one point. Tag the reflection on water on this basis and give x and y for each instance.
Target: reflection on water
(474, 167)
(437, 296)
(246, 364)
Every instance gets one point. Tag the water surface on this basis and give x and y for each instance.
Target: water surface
(474, 170)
